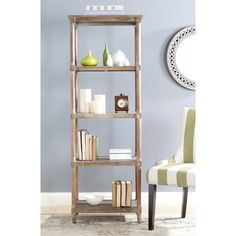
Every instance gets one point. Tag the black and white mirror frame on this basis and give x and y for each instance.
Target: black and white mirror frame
(171, 57)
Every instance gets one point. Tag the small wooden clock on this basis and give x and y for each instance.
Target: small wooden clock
(121, 103)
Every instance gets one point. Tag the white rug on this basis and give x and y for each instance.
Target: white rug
(59, 225)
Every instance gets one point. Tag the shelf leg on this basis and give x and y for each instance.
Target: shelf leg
(138, 193)
(74, 210)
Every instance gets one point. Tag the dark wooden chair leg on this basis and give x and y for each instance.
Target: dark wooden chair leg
(151, 205)
(184, 203)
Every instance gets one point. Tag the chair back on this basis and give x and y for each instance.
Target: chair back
(186, 150)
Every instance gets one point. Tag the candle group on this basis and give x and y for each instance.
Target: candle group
(98, 105)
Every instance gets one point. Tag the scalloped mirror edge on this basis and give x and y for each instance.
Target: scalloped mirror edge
(171, 57)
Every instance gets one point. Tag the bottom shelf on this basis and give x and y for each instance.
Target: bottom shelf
(105, 207)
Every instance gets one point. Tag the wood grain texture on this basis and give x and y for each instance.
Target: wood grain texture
(83, 115)
(106, 19)
(107, 162)
(138, 124)
(105, 207)
(102, 68)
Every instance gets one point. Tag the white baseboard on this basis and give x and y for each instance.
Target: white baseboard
(163, 198)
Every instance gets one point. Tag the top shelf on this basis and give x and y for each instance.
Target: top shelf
(106, 19)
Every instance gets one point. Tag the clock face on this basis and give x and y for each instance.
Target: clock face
(122, 103)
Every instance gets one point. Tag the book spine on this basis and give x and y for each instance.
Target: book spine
(87, 146)
(79, 145)
(113, 193)
(128, 193)
(118, 193)
(90, 148)
(83, 138)
(116, 151)
(120, 156)
(123, 194)
(94, 148)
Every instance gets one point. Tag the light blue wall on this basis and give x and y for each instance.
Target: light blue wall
(162, 98)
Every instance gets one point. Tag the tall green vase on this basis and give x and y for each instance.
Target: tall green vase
(105, 55)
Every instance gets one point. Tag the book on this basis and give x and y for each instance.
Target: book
(120, 151)
(128, 193)
(79, 145)
(119, 156)
(123, 194)
(83, 143)
(90, 147)
(113, 193)
(118, 193)
(87, 146)
(94, 148)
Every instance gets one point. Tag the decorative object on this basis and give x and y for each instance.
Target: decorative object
(89, 60)
(121, 103)
(104, 10)
(119, 59)
(85, 100)
(102, 98)
(171, 57)
(178, 171)
(105, 55)
(94, 199)
(97, 107)
(109, 61)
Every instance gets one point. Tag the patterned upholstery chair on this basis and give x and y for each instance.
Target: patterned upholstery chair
(176, 171)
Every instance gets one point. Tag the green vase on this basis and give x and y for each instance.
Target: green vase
(89, 60)
(105, 55)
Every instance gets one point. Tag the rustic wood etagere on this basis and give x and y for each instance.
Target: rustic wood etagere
(79, 206)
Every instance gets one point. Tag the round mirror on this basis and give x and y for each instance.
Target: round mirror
(180, 57)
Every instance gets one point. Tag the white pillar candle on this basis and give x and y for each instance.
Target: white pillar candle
(97, 107)
(85, 100)
(102, 98)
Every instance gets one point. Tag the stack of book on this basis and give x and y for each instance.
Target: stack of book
(121, 193)
(87, 146)
(119, 154)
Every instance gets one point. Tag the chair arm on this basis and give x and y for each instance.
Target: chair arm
(166, 161)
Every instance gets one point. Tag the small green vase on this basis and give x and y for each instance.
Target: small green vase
(105, 55)
(89, 60)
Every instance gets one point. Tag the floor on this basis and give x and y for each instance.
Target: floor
(57, 221)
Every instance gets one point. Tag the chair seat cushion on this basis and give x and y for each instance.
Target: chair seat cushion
(182, 175)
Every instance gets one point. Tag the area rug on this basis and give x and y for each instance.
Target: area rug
(58, 225)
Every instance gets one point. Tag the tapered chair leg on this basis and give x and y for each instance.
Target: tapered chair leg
(184, 203)
(151, 205)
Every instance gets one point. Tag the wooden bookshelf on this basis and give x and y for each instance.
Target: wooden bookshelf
(77, 205)
(106, 162)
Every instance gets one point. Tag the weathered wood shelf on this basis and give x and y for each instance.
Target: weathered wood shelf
(104, 68)
(105, 207)
(83, 115)
(106, 19)
(106, 162)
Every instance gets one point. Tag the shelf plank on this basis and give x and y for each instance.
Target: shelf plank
(105, 207)
(106, 19)
(106, 162)
(83, 115)
(103, 68)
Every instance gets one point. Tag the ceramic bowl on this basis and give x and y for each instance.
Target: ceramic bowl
(94, 199)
